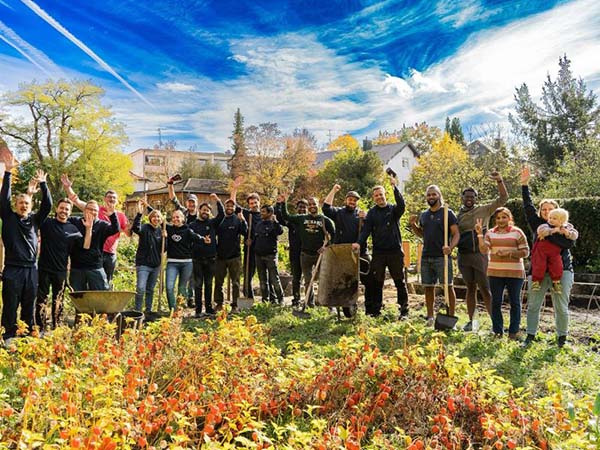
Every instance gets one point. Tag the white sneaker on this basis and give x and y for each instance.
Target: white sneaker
(430, 322)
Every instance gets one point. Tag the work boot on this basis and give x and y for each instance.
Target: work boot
(528, 340)
(468, 326)
(561, 341)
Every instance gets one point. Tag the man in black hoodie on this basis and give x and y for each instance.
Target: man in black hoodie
(382, 224)
(205, 254)
(19, 233)
(295, 249)
(58, 236)
(228, 253)
(265, 237)
(348, 224)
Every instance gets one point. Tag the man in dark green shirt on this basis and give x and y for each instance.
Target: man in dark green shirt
(315, 231)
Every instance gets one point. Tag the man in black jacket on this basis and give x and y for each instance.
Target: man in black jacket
(265, 237)
(204, 254)
(348, 224)
(19, 233)
(58, 236)
(295, 249)
(382, 224)
(228, 254)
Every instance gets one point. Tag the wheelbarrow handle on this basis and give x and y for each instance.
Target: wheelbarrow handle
(368, 266)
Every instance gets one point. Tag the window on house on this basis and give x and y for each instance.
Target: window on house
(405, 163)
(155, 160)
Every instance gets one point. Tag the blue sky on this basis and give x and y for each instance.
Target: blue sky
(333, 66)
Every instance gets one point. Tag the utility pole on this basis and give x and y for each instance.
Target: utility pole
(160, 144)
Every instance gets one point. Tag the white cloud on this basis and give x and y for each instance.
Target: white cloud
(459, 13)
(176, 87)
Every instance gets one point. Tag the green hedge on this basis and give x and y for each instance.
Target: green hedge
(584, 214)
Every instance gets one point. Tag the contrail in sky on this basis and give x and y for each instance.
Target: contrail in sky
(32, 54)
(88, 51)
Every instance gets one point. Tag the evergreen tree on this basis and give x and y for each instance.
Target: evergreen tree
(563, 124)
(454, 129)
(238, 164)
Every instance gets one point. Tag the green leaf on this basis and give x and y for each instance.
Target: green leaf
(596, 409)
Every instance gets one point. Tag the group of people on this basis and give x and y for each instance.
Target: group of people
(202, 249)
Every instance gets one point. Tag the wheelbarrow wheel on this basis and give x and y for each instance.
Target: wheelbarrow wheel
(349, 311)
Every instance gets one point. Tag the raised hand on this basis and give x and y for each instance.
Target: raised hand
(525, 176)
(237, 182)
(88, 219)
(337, 188)
(495, 176)
(140, 207)
(33, 187)
(9, 161)
(64, 179)
(393, 181)
(214, 197)
(40, 176)
(479, 226)
(282, 198)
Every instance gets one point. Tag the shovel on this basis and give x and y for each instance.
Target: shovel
(445, 321)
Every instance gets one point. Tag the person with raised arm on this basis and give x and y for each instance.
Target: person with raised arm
(382, 225)
(109, 250)
(20, 235)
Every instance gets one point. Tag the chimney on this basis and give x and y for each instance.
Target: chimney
(367, 144)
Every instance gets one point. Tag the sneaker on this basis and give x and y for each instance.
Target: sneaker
(561, 341)
(513, 336)
(556, 287)
(529, 340)
(468, 326)
(535, 286)
(404, 315)
(430, 322)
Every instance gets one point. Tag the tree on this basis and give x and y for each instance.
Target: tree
(238, 164)
(69, 130)
(564, 122)
(385, 138)
(577, 176)
(454, 129)
(352, 169)
(343, 142)
(276, 161)
(192, 168)
(449, 166)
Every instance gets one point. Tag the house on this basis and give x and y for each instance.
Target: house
(478, 148)
(156, 165)
(159, 198)
(401, 157)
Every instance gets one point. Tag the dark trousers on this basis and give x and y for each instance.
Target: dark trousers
(268, 274)
(222, 267)
(47, 280)
(88, 279)
(369, 283)
(250, 270)
(19, 287)
(109, 262)
(296, 276)
(204, 272)
(308, 262)
(395, 264)
(513, 286)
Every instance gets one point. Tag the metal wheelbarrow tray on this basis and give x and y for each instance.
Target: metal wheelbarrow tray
(101, 302)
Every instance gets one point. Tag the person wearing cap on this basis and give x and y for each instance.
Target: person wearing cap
(109, 250)
(382, 225)
(348, 222)
(315, 232)
(190, 210)
(228, 254)
(471, 262)
(430, 227)
(295, 249)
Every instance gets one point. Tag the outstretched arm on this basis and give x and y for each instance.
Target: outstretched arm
(502, 192)
(334, 190)
(68, 186)
(46, 205)
(9, 164)
(400, 205)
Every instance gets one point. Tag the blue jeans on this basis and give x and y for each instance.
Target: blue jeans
(513, 286)
(432, 270)
(560, 303)
(184, 271)
(146, 282)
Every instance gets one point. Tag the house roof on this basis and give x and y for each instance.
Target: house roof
(385, 152)
(165, 151)
(191, 186)
(388, 151)
(478, 148)
(138, 177)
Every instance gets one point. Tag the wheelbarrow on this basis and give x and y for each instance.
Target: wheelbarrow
(110, 303)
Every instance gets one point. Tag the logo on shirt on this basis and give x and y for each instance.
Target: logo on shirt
(176, 237)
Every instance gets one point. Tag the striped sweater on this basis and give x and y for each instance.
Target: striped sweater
(511, 238)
